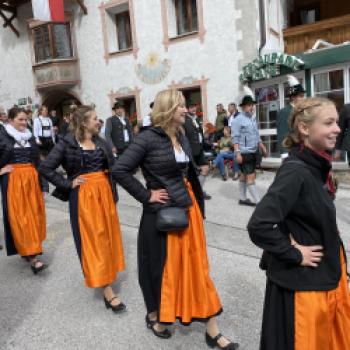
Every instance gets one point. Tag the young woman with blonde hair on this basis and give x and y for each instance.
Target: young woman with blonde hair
(91, 191)
(307, 301)
(172, 264)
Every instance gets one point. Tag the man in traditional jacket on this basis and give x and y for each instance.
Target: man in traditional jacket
(118, 129)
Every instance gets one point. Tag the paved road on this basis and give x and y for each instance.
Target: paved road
(55, 310)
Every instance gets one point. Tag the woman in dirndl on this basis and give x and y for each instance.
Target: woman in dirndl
(92, 196)
(307, 299)
(173, 266)
(22, 191)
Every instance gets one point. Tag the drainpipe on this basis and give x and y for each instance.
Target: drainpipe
(262, 23)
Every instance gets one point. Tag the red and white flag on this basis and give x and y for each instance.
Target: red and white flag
(48, 10)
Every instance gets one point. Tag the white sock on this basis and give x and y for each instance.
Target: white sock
(201, 179)
(254, 192)
(242, 190)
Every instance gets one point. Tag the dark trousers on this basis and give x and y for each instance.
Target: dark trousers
(151, 253)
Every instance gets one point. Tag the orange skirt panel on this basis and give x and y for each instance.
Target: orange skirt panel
(26, 209)
(188, 292)
(322, 319)
(101, 243)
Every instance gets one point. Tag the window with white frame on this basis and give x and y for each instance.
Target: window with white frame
(268, 105)
(330, 85)
(183, 17)
(119, 28)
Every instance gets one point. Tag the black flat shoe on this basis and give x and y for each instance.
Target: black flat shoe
(115, 308)
(163, 334)
(38, 269)
(247, 202)
(213, 342)
(206, 196)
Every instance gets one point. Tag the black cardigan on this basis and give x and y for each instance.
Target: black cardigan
(152, 150)
(299, 203)
(69, 154)
(7, 143)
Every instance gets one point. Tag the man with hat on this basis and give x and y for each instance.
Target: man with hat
(194, 132)
(296, 93)
(118, 129)
(247, 143)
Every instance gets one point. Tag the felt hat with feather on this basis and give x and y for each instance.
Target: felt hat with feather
(248, 97)
(295, 88)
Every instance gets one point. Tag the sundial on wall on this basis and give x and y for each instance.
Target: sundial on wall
(154, 70)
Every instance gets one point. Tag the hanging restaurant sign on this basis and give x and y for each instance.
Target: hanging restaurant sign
(269, 65)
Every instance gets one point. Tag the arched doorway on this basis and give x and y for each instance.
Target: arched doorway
(60, 101)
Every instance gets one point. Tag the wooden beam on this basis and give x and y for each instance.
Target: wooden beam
(7, 8)
(83, 7)
(8, 22)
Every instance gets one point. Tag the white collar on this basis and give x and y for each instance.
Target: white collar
(21, 137)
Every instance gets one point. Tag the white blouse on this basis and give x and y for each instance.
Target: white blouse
(181, 156)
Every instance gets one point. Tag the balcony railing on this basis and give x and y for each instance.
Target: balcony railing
(302, 38)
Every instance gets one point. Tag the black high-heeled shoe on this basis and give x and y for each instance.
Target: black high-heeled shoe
(213, 342)
(150, 325)
(115, 308)
(37, 269)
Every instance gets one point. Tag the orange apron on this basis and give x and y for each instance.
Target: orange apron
(101, 244)
(322, 319)
(188, 293)
(26, 209)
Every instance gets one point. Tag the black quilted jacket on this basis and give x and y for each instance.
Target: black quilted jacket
(69, 154)
(152, 150)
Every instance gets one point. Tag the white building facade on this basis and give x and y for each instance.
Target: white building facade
(129, 49)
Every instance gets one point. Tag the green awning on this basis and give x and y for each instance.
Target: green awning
(326, 57)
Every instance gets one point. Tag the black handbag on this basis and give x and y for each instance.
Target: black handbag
(172, 219)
